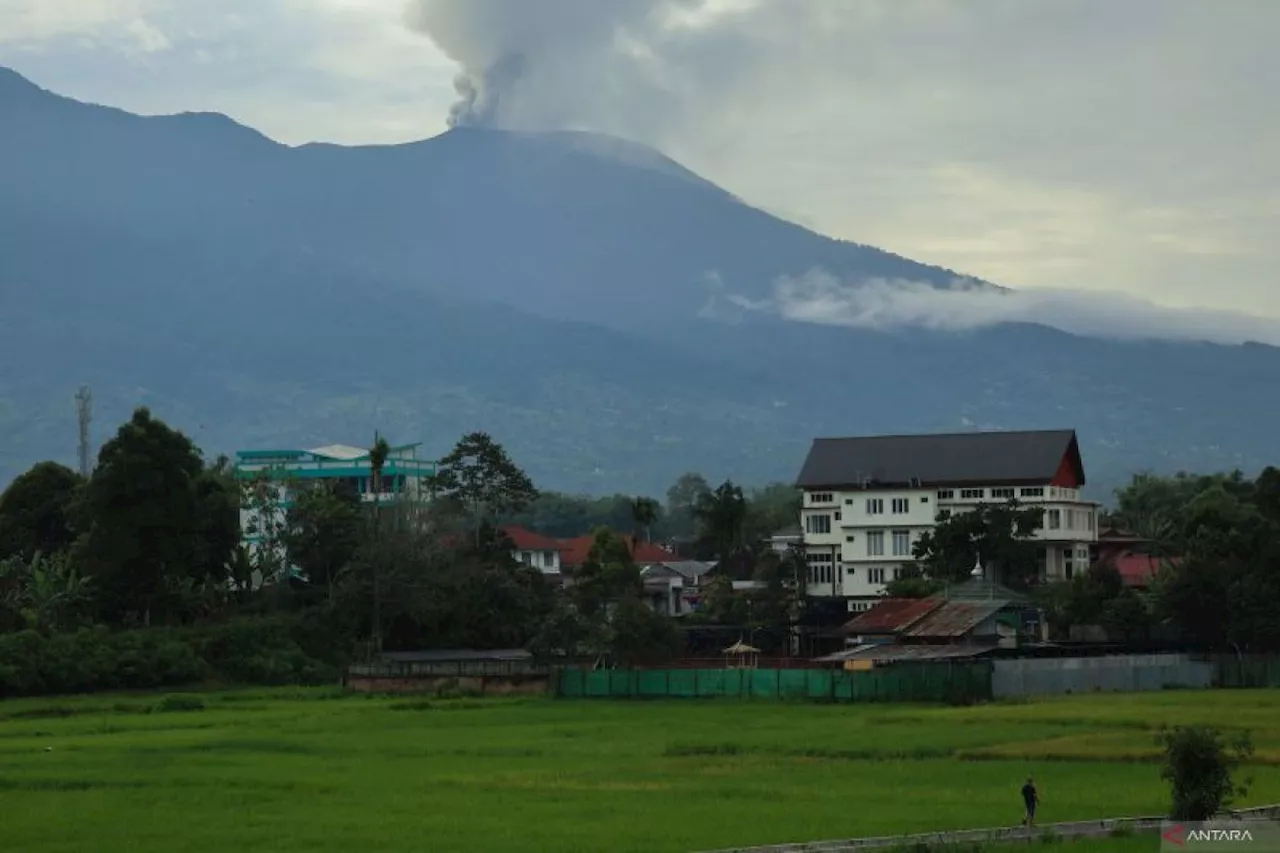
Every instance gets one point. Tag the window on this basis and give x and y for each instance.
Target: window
(970, 494)
(875, 544)
(526, 557)
(848, 538)
(1002, 494)
(837, 516)
(901, 543)
(821, 498)
(848, 501)
(1054, 519)
(897, 574)
(1068, 563)
(1037, 492)
(875, 506)
(901, 506)
(944, 514)
(549, 559)
(924, 499)
(875, 575)
(946, 495)
(1092, 519)
(817, 524)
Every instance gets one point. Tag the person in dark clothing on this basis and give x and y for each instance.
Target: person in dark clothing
(1031, 798)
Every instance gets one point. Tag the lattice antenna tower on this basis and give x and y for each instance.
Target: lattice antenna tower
(84, 413)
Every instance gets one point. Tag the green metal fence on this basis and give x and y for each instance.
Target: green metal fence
(917, 682)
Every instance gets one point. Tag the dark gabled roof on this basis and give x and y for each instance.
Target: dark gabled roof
(958, 459)
(893, 653)
(891, 616)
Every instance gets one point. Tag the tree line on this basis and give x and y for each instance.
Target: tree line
(152, 540)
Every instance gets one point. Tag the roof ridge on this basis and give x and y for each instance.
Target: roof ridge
(1005, 432)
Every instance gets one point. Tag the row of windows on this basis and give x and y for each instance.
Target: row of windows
(826, 573)
(1000, 493)
(1076, 519)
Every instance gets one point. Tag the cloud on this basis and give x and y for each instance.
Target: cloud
(818, 297)
(1063, 143)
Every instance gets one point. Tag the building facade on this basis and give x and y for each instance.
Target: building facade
(867, 501)
(277, 475)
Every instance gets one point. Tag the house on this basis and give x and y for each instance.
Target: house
(786, 539)
(971, 619)
(404, 477)
(535, 550)
(672, 586)
(868, 500)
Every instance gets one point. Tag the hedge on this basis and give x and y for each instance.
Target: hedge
(268, 651)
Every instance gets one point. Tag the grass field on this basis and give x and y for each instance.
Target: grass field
(294, 770)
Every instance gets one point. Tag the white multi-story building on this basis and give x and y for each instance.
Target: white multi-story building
(867, 501)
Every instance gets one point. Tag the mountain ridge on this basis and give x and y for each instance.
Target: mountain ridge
(547, 288)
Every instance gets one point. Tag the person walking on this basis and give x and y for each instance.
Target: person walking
(1030, 798)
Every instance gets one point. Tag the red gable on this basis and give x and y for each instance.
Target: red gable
(527, 540)
(1138, 570)
(573, 552)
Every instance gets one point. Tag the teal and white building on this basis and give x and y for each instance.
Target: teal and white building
(405, 478)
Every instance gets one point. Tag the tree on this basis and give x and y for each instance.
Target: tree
(142, 508)
(607, 576)
(37, 511)
(682, 500)
(264, 529)
(480, 477)
(996, 535)
(722, 517)
(1199, 765)
(911, 582)
(378, 454)
(323, 532)
(44, 594)
(645, 513)
(218, 529)
(638, 636)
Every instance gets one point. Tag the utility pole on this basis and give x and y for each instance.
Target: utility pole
(84, 412)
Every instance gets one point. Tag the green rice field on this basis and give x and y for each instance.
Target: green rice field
(316, 770)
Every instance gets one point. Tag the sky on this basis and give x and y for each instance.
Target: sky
(1120, 147)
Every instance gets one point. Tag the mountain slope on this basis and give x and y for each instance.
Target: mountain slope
(547, 288)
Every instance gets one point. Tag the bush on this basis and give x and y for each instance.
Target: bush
(178, 702)
(246, 651)
(1199, 763)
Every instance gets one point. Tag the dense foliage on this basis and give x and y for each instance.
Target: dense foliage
(138, 577)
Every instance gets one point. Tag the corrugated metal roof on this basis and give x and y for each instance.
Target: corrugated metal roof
(974, 458)
(449, 656)
(690, 569)
(955, 619)
(891, 616)
(893, 653)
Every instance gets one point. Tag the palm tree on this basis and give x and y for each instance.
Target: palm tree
(378, 454)
(644, 512)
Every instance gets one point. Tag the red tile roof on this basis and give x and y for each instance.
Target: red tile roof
(573, 552)
(1139, 569)
(527, 540)
(891, 616)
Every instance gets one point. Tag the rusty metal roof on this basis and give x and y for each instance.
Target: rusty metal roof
(891, 616)
(893, 652)
(955, 619)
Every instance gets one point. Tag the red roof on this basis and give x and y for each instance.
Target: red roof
(892, 615)
(527, 540)
(1139, 569)
(573, 552)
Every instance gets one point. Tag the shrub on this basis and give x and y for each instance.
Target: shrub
(178, 702)
(1199, 763)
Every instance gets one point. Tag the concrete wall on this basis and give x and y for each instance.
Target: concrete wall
(1129, 673)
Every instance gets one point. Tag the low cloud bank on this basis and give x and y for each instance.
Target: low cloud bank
(819, 297)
